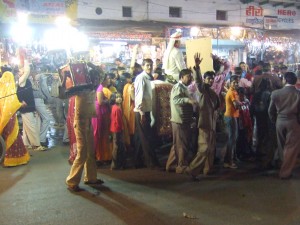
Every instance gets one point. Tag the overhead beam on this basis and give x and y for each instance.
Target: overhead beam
(288, 5)
(264, 2)
(246, 1)
(277, 4)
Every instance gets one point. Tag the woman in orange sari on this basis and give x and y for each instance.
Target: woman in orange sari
(16, 153)
(128, 106)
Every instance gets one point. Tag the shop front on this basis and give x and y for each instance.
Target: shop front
(250, 45)
(105, 47)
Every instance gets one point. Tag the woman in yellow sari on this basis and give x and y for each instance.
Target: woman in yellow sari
(16, 153)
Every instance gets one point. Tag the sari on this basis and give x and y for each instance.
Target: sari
(16, 153)
(128, 106)
(71, 132)
(101, 126)
(107, 92)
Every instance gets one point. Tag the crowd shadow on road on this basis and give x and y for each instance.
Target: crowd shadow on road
(158, 178)
(127, 209)
(236, 190)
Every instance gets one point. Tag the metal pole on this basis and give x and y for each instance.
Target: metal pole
(217, 40)
(147, 10)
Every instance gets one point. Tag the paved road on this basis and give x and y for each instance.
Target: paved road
(35, 194)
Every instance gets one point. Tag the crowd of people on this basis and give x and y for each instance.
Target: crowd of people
(258, 109)
(25, 100)
(125, 118)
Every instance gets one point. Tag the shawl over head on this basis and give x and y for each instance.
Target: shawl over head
(174, 37)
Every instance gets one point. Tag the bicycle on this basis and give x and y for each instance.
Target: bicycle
(2, 149)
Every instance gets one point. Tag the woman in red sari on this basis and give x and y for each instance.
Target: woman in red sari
(71, 133)
(16, 153)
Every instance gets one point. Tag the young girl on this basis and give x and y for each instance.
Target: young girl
(244, 150)
(116, 127)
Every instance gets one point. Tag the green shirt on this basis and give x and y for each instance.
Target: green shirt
(181, 109)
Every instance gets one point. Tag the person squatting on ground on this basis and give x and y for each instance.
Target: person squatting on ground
(284, 109)
(181, 118)
(85, 158)
(208, 105)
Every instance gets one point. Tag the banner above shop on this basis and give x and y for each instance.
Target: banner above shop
(41, 11)
(271, 18)
(115, 36)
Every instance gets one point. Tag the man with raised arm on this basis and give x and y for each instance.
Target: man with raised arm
(208, 105)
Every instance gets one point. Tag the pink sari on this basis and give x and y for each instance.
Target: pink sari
(101, 125)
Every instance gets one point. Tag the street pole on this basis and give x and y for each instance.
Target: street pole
(147, 10)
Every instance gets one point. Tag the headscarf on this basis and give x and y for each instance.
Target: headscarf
(174, 37)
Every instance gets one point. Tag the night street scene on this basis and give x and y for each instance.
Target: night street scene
(149, 112)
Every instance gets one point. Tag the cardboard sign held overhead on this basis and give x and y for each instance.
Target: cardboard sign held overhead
(204, 47)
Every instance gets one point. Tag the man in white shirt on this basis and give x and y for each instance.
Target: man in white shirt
(31, 137)
(173, 61)
(143, 107)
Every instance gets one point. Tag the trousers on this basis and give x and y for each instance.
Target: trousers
(180, 147)
(85, 158)
(204, 158)
(288, 138)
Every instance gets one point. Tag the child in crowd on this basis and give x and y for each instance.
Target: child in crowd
(116, 127)
(244, 150)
